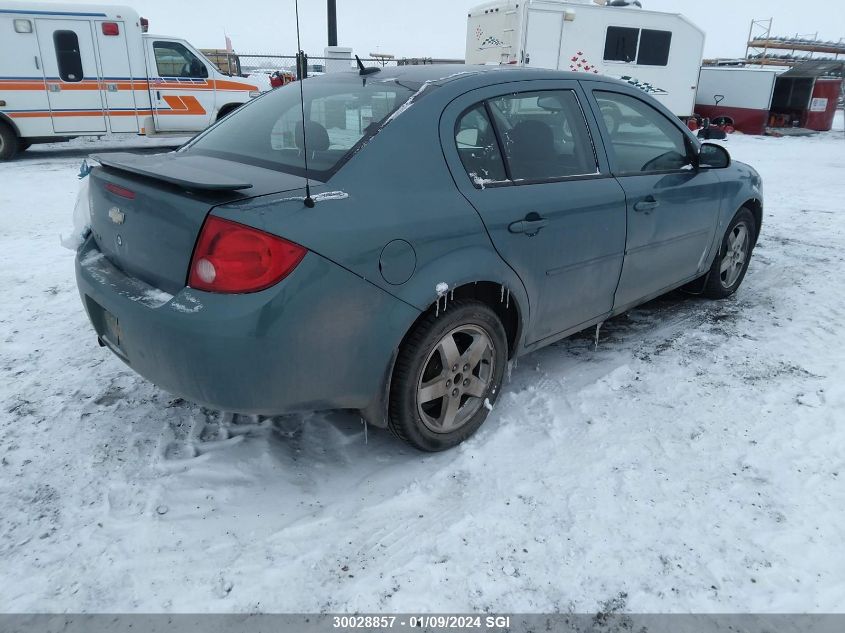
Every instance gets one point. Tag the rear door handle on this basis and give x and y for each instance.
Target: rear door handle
(530, 226)
(646, 205)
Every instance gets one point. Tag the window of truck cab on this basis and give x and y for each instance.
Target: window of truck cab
(175, 60)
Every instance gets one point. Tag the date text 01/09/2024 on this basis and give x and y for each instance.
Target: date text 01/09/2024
(457, 622)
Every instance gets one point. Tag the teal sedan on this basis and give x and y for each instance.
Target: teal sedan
(393, 241)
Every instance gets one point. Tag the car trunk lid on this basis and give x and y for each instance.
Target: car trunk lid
(147, 211)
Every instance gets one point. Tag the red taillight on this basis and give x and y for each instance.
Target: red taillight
(145, 25)
(123, 192)
(234, 258)
(111, 28)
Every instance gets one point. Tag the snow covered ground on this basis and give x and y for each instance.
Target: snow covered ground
(692, 462)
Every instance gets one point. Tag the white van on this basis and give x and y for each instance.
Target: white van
(659, 52)
(74, 70)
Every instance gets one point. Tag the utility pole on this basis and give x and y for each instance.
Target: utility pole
(332, 13)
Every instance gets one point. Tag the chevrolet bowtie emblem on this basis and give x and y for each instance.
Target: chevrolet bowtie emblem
(117, 216)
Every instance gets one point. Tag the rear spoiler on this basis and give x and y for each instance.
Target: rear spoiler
(202, 173)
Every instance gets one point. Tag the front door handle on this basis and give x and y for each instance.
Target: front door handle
(530, 226)
(646, 205)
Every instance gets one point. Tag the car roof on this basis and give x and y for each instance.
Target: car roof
(441, 74)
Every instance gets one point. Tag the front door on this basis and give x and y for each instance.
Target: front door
(673, 209)
(526, 162)
(70, 69)
(180, 89)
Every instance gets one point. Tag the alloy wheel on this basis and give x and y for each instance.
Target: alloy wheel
(455, 379)
(736, 254)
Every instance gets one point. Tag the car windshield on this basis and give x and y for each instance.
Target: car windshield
(342, 113)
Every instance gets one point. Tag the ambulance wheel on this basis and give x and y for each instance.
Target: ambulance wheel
(8, 142)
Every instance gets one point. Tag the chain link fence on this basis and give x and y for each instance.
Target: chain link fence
(254, 63)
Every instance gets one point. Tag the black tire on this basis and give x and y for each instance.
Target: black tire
(421, 354)
(719, 283)
(8, 142)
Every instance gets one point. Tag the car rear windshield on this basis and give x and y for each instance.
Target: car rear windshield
(341, 114)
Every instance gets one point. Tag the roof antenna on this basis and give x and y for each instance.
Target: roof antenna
(363, 70)
(309, 201)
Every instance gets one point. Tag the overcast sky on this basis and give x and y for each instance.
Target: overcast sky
(437, 28)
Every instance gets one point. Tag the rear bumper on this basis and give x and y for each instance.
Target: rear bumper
(321, 339)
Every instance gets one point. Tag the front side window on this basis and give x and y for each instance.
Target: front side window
(340, 113)
(68, 56)
(478, 148)
(175, 60)
(643, 140)
(544, 135)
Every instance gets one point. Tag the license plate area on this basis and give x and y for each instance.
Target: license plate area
(105, 323)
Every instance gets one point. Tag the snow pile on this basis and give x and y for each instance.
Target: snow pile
(81, 218)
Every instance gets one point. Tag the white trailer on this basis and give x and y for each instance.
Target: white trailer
(743, 94)
(660, 52)
(70, 70)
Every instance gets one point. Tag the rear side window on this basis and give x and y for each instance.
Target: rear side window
(68, 56)
(621, 44)
(544, 135)
(175, 60)
(643, 140)
(478, 148)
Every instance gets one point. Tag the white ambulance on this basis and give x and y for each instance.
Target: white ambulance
(75, 70)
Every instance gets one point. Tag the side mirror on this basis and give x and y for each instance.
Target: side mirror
(549, 103)
(467, 138)
(712, 156)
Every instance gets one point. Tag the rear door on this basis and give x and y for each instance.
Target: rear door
(181, 90)
(116, 72)
(72, 77)
(672, 208)
(552, 210)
